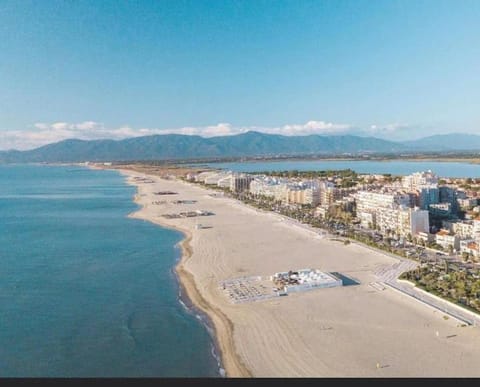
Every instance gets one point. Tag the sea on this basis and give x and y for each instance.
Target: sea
(394, 167)
(86, 291)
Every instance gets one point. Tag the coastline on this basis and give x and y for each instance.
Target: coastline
(268, 339)
(220, 324)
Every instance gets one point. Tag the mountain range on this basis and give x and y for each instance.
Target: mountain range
(249, 144)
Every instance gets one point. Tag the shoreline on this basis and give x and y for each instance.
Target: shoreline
(222, 327)
(192, 309)
(310, 334)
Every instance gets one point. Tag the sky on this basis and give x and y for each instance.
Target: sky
(397, 70)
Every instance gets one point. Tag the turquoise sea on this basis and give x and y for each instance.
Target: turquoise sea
(86, 291)
(395, 167)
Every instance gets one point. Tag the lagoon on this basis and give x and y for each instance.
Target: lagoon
(394, 167)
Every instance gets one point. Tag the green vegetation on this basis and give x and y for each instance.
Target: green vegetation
(341, 173)
(459, 286)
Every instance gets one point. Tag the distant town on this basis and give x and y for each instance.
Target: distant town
(424, 217)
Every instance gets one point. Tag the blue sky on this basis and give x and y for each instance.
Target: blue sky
(114, 69)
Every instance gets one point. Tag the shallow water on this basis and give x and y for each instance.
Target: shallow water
(86, 291)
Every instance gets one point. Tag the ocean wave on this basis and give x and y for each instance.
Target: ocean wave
(207, 324)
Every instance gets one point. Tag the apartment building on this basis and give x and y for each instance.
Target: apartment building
(445, 239)
(418, 180)
(240, 182)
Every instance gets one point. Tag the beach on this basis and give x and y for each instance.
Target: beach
(350, 331)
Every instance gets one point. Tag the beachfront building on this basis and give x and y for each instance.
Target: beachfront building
(303, 193)
(329, 193)
(215, 178)
(390, 212)
(200, 177)
(464, 229)
(269, 186)
(471, 247)
(445, 239)
(321, 211)
(305, 279)
(387, 220)
(367, 219)
(240, 182)
(414, 221)
(425, 237)
(347, 203)
(368, 201)
(225, 182)
(376, 208)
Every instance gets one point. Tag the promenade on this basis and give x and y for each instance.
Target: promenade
(388, 275)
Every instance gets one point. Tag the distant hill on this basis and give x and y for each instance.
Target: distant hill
(174, 146)
(250, 144)
(445, 142)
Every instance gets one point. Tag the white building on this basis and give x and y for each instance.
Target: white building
(368, 201)
(445, 239)
(388, 211)
(470, 246)
(305, 279)
(269, 186)
(321, 211)
(215, 178)
(202, 176)
(367, 219)
(418, 180)
(240, 182)
(225, 182)
(303, 193)
(425, 236)
(418, 221)
(464, 229)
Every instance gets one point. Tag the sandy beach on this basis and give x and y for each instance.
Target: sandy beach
(351, 331)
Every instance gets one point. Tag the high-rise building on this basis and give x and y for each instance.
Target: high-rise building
(418, 180)
(371, 200)
(418, 221)
(391, 212)
(428, 195)
(240, 182)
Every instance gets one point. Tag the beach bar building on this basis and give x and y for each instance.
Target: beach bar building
(305, 279)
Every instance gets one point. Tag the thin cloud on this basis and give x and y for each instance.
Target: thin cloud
(388, 128)
(397, 131)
